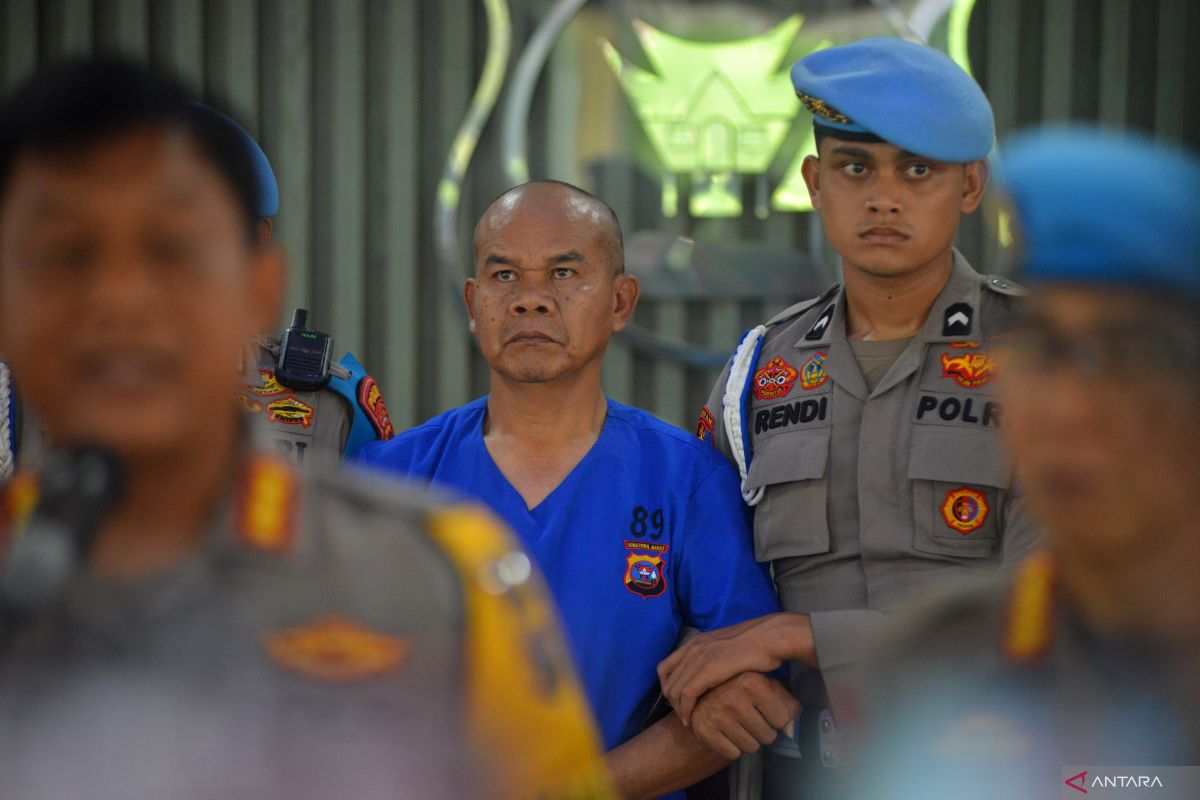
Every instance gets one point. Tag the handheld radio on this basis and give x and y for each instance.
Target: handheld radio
(304, 355)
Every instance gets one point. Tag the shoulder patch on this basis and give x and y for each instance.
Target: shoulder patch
(520, 681)
(704, 428)
(1004, 286)
(370, 400)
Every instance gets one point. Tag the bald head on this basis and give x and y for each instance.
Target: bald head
(557, 203)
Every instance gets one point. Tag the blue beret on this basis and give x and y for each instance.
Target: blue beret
(266, 194)
(910, 95)
(1101, 207)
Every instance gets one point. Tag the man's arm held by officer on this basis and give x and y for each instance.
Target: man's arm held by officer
(709, 660)
(737, 717)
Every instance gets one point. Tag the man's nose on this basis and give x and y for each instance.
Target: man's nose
(121, 283)
(884, 199)
(532, 298)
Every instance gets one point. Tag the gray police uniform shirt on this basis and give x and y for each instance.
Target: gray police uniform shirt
(985, 688)
(327, 663)
(870, 498)
(308, 428)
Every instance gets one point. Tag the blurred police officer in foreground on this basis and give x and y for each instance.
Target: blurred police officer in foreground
(181, 615)
(865, 421)
(1087, 654)
(313, 419)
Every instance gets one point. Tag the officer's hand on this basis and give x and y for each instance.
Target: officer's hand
(710, 659)
(743, 714)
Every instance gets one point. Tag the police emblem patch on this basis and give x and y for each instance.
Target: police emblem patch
(774, 380)
(336, 649)
(269, 386)
(704, 428)
(813, 373)
(251, 405)
(645, 575)
(370, 399)
(290, 411)
(969, 369)
(965, 509)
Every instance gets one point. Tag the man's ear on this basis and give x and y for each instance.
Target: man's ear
(468, 295)
(626, 291)
(975, 180)
(811, 171)
(268, 285)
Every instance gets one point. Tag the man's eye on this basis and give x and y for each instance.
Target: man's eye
(854, 168)
(563, 272)
(504, 275)
(918, 170)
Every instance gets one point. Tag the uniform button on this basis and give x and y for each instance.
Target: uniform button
(1001, 284)
(826, 726)
(828, 759)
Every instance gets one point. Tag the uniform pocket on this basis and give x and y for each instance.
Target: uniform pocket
(792, 519)
(959, 479)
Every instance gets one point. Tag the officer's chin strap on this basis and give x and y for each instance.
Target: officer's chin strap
(733, 411)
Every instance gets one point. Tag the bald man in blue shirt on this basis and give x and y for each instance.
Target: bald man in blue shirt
(637, 525)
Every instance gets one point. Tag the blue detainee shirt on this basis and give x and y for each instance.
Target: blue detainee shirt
(646, 535)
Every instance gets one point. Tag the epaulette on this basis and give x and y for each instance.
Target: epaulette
(796, 310)
(370, 420)
(1004, 286)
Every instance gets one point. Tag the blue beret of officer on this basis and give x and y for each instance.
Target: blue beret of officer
(1102, 207)
(907, 94)
(266, 195)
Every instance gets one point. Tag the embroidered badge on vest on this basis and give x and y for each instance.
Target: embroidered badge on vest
(971, 370)
(269, 386)
(265, 512)
(290, 411)
(704, 428)
(370, 398)
(1029, 619)
(774, 380)
(813, 373)
(250, 405)
(338, 650)
(965, 509)
(645, 572)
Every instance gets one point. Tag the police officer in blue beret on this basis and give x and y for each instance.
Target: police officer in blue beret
(1087, 653)
(865, 422)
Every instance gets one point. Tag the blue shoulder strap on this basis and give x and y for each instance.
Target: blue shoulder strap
(369, 420)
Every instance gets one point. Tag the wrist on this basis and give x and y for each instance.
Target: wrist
(793, 641)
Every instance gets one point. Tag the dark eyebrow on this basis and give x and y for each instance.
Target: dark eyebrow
(494, 259)
(853, 152)
(567, 257)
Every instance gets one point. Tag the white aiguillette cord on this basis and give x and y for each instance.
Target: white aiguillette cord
(7, 457)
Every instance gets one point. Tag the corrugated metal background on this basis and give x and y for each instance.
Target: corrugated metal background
(357, 101)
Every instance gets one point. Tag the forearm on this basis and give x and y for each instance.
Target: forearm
(661, 759)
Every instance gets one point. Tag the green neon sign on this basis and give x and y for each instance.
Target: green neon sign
(720, 110)
(712, 110)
